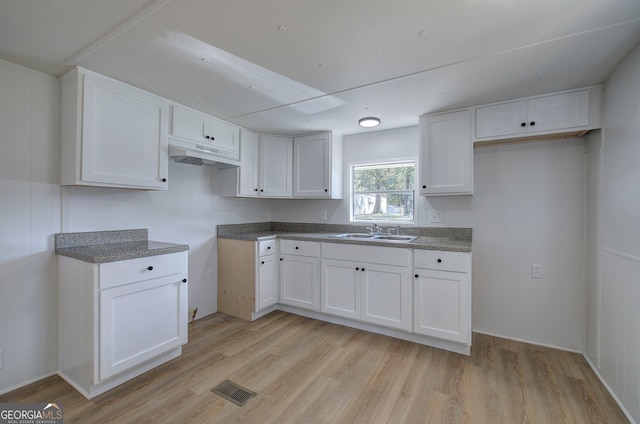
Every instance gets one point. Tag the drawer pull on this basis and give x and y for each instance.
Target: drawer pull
(150, 268)
(297, 248)
(439, 260)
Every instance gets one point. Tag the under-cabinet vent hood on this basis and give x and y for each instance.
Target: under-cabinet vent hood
(200, 154)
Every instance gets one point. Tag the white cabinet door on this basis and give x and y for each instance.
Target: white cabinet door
(124, 136)
(187, 124)
(276, 166)
(341, 288)
(139, 321)
(312, 165)
(386, 296)
(299, 281)
(248, 170)
(446, 154)
(560, 111)
(441, 305)
(502, 119)
(267, 291)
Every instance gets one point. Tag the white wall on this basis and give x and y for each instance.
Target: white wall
(29, 215)
(33, 207)
(613, 336)
(187, 213)
(528, 208)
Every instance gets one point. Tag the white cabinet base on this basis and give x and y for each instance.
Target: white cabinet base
(461, 348)
(92, 390)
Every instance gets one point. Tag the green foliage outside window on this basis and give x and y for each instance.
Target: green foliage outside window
(383, 192)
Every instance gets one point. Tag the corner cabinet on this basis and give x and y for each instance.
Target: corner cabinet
(271, 166)
(113, 135)
(119, 319)
(446, 154)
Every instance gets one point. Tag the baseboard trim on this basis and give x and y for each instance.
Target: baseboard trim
(611, 392)
(26, 383)
(527, 340)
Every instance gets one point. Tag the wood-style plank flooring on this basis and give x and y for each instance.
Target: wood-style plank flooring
(308, 371)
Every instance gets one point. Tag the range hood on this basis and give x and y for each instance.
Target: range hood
(192, 153)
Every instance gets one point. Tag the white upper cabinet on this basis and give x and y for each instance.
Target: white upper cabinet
(317, 166)
(194, 126)
(573, 111)
(113, 135)
(446, 154)
(276, 166)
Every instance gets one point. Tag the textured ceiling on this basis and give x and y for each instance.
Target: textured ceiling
(297, 66)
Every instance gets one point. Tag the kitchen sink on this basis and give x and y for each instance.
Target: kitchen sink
(378, 237)
(355, 236)
(395, 237)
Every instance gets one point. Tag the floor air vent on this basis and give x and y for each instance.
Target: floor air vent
(233, 392)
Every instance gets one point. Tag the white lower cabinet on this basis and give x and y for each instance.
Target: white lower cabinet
(370, 284)
(299, 274)
(266, 287)
(119, 319)
(442, 295)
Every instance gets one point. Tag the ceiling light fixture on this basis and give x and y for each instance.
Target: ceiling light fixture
(369, 122)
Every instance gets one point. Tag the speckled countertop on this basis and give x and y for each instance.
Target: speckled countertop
(111, 246)
(429, 238)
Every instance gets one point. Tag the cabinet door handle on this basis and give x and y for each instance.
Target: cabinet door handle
(184, 280)
(280, 258)
(439, 260)
(150, 268)
(532, 123)
(363, 269)
(262, 262)
(417, 276)
(325, 190)
(261, 189)
(268, 247)
(255, 189)
(524, 124)
(297, 248)
(424, 186)
(164, 180)
(357, 268)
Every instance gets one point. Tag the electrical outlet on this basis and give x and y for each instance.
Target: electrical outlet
(436, 216)
(536, 271)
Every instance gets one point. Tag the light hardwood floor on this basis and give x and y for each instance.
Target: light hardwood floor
(308, 371)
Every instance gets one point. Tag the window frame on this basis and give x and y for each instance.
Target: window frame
(352, 165)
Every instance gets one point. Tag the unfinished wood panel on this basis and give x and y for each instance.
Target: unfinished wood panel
(309, 371)
(236, 277)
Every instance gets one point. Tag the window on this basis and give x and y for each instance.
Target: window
(382, 192)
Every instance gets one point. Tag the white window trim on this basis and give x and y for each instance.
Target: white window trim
(405, 222)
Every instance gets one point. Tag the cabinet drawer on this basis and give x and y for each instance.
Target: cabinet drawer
(301, 248)
(114, 274)
(266, 247)
(446, 261)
